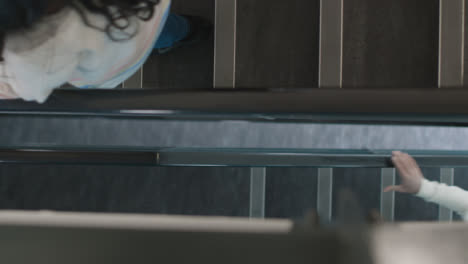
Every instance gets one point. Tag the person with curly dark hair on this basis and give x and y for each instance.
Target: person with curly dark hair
(87, 43)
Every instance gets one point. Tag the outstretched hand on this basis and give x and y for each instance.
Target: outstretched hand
(410, 174)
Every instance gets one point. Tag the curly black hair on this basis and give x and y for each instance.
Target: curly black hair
(22, 14)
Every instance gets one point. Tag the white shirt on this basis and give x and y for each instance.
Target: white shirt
(451, 197)
(62, 48)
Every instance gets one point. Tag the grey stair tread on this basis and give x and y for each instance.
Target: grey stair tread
(465, 60)
(386, 43)
(391, 43)
(277, 43)
(187, 67)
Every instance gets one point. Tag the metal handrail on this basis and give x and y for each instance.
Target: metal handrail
(371, 106)
(225, 157)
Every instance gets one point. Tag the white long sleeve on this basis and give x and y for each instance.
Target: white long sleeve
(450, 197)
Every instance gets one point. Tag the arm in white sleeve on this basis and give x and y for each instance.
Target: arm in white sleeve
(451, 197)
